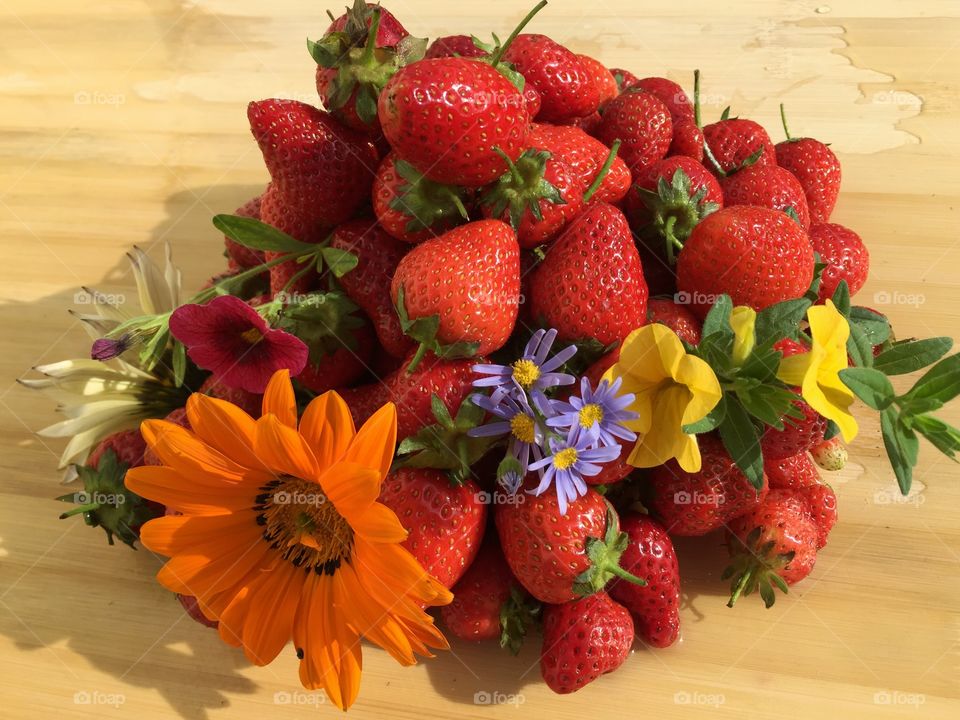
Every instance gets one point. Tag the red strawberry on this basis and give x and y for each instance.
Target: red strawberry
(585, 156)
(243, 256)
(735, 143)
(830, 454)
(450, 380)
(445, 521)
(816, 168)
(822, 502)
(453, 46)
(368, 284)
(469, 278)
(479, 111)
(343, 363)
(389, 33)
(601, 77)
(560, 557)
(127, 445)
(589, 124)
(687, 127)
(566, 85)
(757, 256)
(625, 79)
(670, 94)
(249, 402)
(700, 502)
(488, 603)
(642, 123)
(845, 255)
(583, 640)
(798, 434)
(773, 544)
(655, 607)
(676, 317)
(590, 285)
(412, 208)
(537, 197)
(767, 186)
(791, 473)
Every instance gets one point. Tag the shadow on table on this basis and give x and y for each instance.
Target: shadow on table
(129, 627)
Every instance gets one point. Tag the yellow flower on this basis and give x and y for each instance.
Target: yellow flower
(672, 389)
(281, 537)
(817, 372)
(742, 320)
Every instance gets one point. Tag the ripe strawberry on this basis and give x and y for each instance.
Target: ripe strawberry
(757, 256)
(453, 46)
(670, 94)
(773, 544)
(469, 279)
(583, 640)
(816, 168)
(360, 17)
(700, 502)
(589, 124)
(625, 79)
(243, 256)
(343, 362)
(791, 473)
(655, 607)
(767, 186)
(445, 521)
(565, 83)
(450, 380)
(412, 208)
(822, 503)
(585, 156)
(537, 197)
(736, 143)
(249, 402)
(368, 284)
(845, 255)
(480, 110)
(687, 126)
(590, 284)
(830, 454)
(558, 558)
(601, 77)
(798, 434)
(192, 607)
(488, 603)
(642, 123)
(127, 445)
(676, 317)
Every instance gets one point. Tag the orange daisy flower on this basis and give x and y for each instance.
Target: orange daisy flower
(281, 536)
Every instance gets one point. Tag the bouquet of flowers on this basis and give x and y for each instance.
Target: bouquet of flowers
(490, 282)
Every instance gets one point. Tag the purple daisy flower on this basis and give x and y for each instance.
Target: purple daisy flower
(571, 460)
(532, 373)
(600, 413)
(517, 421)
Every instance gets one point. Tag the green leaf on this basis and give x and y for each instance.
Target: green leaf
(710, 422)
(740, 437)
(718, 319)
(324, 321)
(780, 321)
(859, 347)
(762, 365)
(912, 355)
(841, 298)
(942, 436)
(874, 325)
(339, 261)
(179, 362)
(832, 430)
(870, 385)
(902, 447)
(813, 293)
(441, 413)
(769, 404)
(258, 235)
(941, 382)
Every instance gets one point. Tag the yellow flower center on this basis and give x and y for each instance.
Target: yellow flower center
(523, 427)
(526, 373)
(565, 458)
(303, 525)
(252, 336)
(590, 414)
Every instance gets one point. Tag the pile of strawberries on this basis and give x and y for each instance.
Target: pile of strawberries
(482, 191)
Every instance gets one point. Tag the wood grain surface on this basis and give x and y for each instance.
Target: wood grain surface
(123, 122)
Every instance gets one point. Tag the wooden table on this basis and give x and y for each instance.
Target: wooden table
(123, 122)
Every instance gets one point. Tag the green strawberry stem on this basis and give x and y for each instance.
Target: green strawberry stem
(739, 588)
(212, 292)
(89, 507)
(696, 99)
(604, 170)
(712, 158)
(783, 119)
(511, 166)
(617, 570)
(421, 352)
(673, 245)
(367, 58)
(498, 54)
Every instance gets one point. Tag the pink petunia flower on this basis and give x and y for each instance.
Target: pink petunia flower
(230, 339)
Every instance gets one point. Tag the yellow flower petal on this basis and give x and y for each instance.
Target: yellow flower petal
(742, 320)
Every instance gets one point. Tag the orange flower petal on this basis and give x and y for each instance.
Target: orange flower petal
(327, 426)
(174, 534)
(378, 523)
(170, 487)
(395, 566)
(225, 427)
(283, 449)
(376, 441)
(181, 449)
(205, 575)
(351, 487)
(268, 624)
(279, 400)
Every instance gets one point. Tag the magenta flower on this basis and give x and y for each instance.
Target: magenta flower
(230, 339)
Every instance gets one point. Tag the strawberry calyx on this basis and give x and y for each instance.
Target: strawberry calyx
(604, 555)
(425, 202)
(424, 330)
(517, 615)
(446, 445)
(522, 187)
(756, 567)
(326, 322)
(106, 502)
(675, 211)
